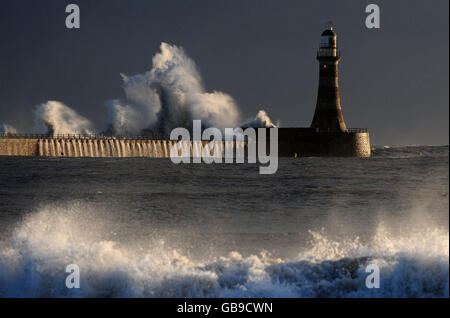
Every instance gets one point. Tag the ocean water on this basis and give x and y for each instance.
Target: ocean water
(143, 227)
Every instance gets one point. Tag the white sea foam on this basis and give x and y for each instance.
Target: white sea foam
(170, 95)
(262, 120)
(7, 129)
(33, 264)
(56, 118)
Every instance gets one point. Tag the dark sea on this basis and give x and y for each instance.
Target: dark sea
(143, 227)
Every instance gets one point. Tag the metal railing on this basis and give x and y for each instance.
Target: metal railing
(149, 136)
(348, 130)
(357, 130)
(326, 52)
(81, 136)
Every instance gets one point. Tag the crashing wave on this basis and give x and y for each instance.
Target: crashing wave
(7, 129)
(56, 118)
(32, 264)
(170, 95)
(262, 120)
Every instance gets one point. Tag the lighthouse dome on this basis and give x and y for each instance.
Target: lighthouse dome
(328, 38)
(328, 32)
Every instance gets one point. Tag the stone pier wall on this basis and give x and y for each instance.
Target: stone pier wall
(104, 148)
(292, 142)
(18, 147)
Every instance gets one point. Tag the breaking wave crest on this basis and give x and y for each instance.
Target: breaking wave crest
(7, 129)
(262, 120)
(56, 118)
(33, 264)
(171, 95)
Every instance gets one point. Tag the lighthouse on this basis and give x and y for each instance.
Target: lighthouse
(328, 114)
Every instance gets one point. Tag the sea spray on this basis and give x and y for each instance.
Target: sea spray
(170, 95)
(56, 118)
(7, 129)
(262, 120)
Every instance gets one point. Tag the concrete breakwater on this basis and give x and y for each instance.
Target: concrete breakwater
(18, 146)
(292, 142)
(102, 147)
(122, 148)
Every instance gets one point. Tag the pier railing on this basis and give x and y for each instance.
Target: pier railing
(81, 136)
(153, 136)
(348, 130)
(327, 52)
(357, 130)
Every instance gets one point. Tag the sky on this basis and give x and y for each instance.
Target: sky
(393, 80)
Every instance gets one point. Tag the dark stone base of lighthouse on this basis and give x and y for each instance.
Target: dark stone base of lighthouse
(306, 142)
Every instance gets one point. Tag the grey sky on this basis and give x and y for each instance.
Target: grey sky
(393, 80)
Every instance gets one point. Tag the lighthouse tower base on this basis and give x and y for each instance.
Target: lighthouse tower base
(307, 142)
